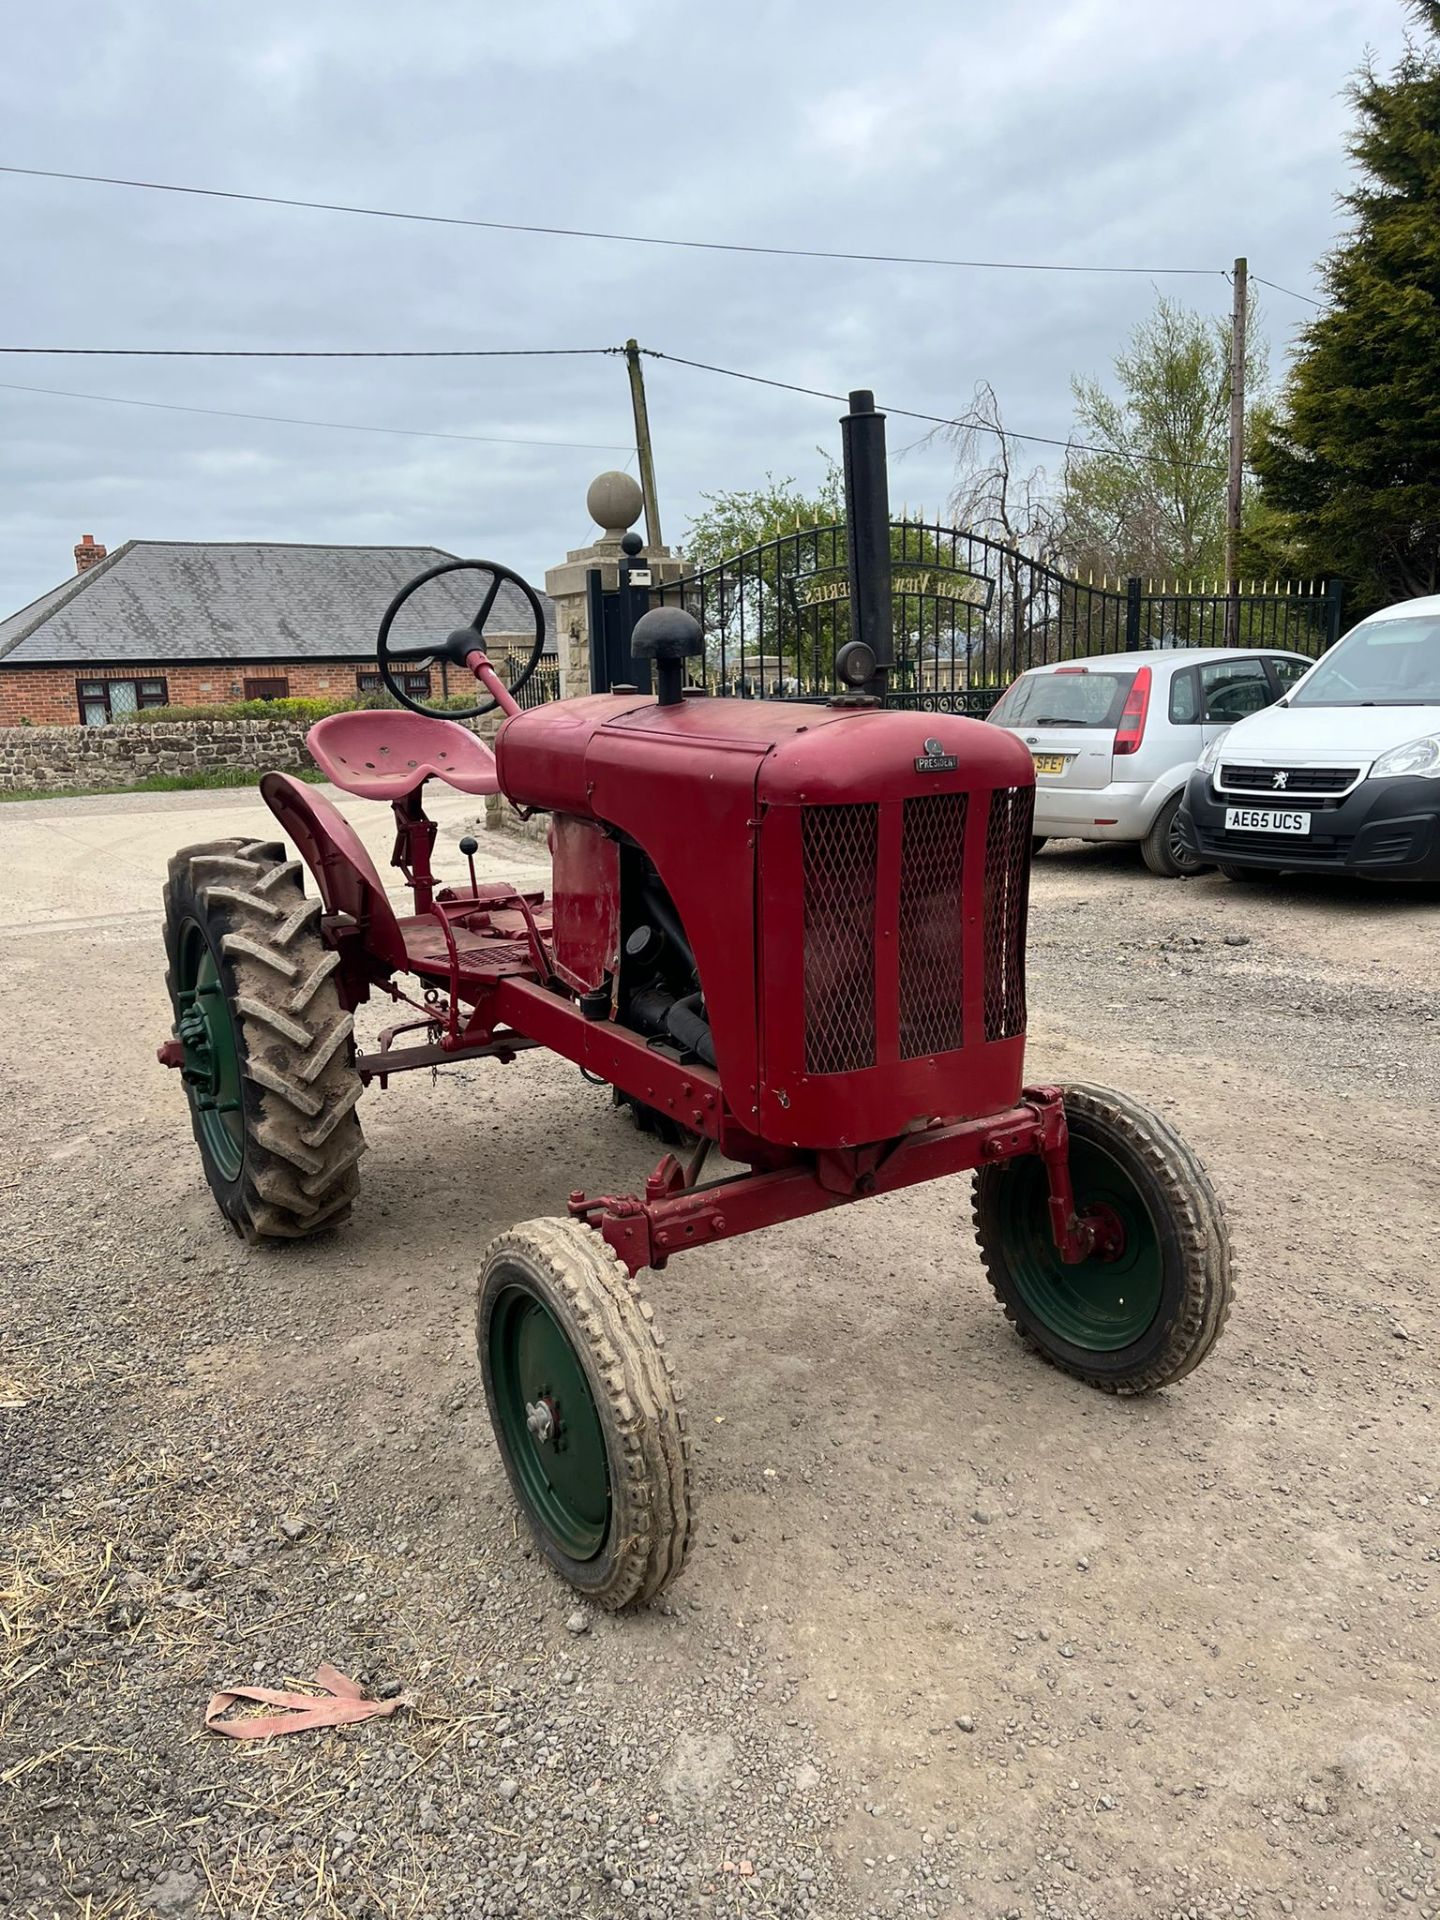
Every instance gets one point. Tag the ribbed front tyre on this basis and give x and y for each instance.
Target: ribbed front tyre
(589, 1421)
(1150, 1313)
(268, 1054)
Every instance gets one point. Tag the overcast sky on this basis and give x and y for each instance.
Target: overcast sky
(1093, 132)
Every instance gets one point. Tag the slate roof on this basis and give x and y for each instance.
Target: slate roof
(154, 601)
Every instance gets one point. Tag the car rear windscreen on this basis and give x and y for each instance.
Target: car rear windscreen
(1064, 700)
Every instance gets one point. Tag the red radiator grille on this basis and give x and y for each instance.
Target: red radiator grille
(839, 849)
(1007, 877)
(932, 865)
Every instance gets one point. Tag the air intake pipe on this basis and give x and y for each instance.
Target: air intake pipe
(687, 1024)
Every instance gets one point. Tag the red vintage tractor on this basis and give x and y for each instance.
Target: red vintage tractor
(788, 935)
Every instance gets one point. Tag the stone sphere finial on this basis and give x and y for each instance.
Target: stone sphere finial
(614, 502)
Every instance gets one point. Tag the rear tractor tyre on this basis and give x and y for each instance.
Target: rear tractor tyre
(268, 1049)
(1144, 1317)
(589, 1421)
(1163, 851)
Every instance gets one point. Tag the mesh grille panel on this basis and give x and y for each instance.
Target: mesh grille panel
(932, 864)
(1280, 780)
(1007, 887)
(839, 846)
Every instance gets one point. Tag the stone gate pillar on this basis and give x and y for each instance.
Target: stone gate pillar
(614, 502)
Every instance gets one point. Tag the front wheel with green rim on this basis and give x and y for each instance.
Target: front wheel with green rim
(589, 1421)
(1138, 1318)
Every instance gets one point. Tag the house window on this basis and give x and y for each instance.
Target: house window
(275, 687)
(102, 700)
(415, 683)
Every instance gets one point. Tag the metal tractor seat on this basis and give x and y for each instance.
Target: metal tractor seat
(384, 755)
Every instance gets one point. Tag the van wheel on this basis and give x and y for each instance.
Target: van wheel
(1037, 841)
(1232, 872)
(1164, 851)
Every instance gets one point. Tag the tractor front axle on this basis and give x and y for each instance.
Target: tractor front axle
(672, 1215)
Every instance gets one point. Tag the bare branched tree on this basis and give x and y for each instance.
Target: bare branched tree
(997, 497)
(994, 493)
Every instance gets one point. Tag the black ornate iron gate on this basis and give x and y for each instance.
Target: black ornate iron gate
(967, 615)
(958, 615)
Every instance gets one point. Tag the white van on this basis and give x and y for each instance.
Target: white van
(1341, 774)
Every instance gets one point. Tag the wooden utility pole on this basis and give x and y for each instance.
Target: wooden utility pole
(642, 444)
(1237, 455)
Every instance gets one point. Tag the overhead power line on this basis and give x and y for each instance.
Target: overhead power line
(1275, 287)
(345, 426)
(323, 353)
(589, 233)
(935, 419)
(653, 353)
(454, 353)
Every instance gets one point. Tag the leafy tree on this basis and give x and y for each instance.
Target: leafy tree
(749, 516)
(751, 547)
(1352, 460)
(1156, 503)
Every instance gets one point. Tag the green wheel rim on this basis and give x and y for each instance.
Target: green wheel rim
(552, 1431)
(1099, 1305)
(211, 1065)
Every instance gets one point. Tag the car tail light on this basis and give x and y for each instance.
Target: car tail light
(1131, 730)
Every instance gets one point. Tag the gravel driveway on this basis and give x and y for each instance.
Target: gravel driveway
(959, 1636)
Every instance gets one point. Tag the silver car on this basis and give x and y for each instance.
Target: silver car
(1115, 737)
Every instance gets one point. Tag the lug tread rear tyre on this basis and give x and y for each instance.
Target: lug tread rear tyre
(611, 1326)
(302, 1135)
(1195, 1214)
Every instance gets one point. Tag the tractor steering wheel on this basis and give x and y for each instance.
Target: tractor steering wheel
(459, 645)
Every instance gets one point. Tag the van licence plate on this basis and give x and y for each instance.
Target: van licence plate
(1052, 762)
(1264, 820)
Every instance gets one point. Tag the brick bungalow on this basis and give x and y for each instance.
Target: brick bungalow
(178, 623)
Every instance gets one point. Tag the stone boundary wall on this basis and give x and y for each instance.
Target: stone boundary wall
(47, 758)
(501, 817)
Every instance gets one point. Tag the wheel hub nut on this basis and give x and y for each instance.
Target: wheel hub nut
(198, 1063)
(540, 1419)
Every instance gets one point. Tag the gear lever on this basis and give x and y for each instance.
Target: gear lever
(470, 846)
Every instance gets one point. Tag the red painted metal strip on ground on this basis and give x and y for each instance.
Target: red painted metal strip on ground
(340, 1705)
